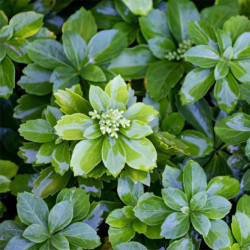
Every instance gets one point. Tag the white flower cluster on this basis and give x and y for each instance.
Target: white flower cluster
(179, 53)
(110, 121)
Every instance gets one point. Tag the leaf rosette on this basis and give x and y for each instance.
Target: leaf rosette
(108, 127)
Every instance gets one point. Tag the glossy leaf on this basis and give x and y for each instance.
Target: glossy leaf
(172, 177)
(36, 233)
(132, 63)
(60, 216)
(198, 201)
(139, 8)
(32, 209)
(81, 235)
(240, 69)
(140, 154)
(7, 77)
(151, 209)
(81, 22)
(200, 222)
(47, 53)
(180, 244)
(179, 14)
(196, 84)
(224, 186)
(90, 155)
(37, 131)
(175, 226)
(113, 155)
(234, 129)
(227, 93)
(192, 173)
(79, 200)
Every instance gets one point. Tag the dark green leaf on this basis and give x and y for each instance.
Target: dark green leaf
(36, 233)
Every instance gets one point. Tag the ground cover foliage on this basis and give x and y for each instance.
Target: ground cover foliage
(125, 124)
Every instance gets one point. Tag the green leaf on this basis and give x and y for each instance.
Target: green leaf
(26, 24)
(136, 130)
(245, 183)
(175, 226)
(219, 235)
(196, 84)
(224, 186)
(140, 154)
(72, 127)
(130, 246)
(198, 114)
(37, 131)
(198, 201)
(9, 229)
(226, 92)
(8, 168)
(49, 182)
(81, 22)
(106, 45)
(179, 14)
(19, 241)
(241, 228)
(60, 216)
(44, 153)
(174, 198)
(75, 48)
(128, 190)
(221, 70)
(151, 209)
(81, 235)
(199, 145)
(124, 12)
(185, 243)
(234, 129)
(78, 199)
(216, 207)
(28, 152)
(236, 25)
(99, 99)
(140, 111)
(138, 175)
(4, 184)
(93, 131)
(47, 53)
(30, 107)
(32, 209)
(36, 80)
(118, 235)
(118, 92)
(53, 115)
(242, 205)
(132, 63)
(139, 8)
(162, 76)
(200, 222)
(240, 69)
(64, 77)
(113, 155)
(242, 46)
(70, 102)
(192, 173)
(223, 39)
(92, 185)
(201, 33)
(22, 183)
(36, 233)
(61, 158)
(154, 24)
(93, 73)
(60, 242)
(173, 123)
(86, 155)
(118, 219)
(7, 77)
(172, 177)
(203, 56)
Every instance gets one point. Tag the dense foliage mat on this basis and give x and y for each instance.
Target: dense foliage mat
(125, 124)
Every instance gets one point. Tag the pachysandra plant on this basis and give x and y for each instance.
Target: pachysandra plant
(108, 130)
(222, 56)
(168, 39)
(186, 201)
(59, 228)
